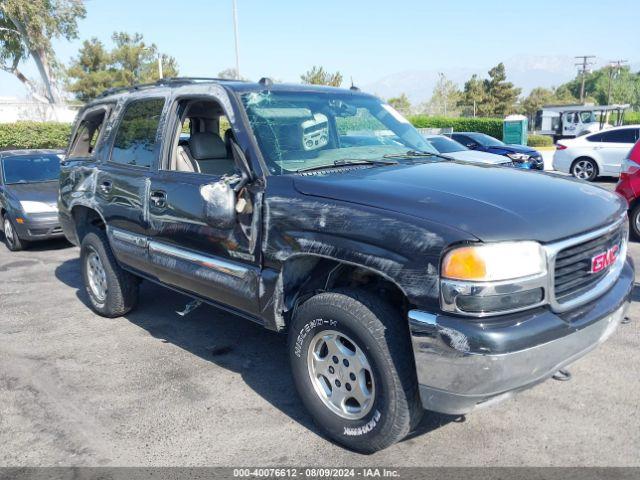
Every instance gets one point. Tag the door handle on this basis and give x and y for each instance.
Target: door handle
(106, 186)
(158, 199)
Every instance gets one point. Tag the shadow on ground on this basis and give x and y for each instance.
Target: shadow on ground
(43, 245)
(229, 341)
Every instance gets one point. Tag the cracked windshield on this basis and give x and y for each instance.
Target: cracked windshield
(309, 130)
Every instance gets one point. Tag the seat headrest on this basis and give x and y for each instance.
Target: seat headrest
(206, 145)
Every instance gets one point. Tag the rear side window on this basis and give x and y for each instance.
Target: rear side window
(87, 135)
(626, 135)
(136, 136)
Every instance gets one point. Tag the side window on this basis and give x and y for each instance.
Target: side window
(136, 136)
(626, 135)
(596, 137)
(203, 140)
(87, 134)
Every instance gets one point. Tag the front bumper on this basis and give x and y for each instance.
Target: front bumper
(464, 364)
(39, 226)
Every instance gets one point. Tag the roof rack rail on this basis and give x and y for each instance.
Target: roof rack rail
(164, 81)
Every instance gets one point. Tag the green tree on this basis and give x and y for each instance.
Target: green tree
(318, 76)
(493, 96)
(131, 61)
(401, 104)
(539, 97)
(444, 99)
(624, 85)
(137, 62)
(91, 70)
(474, 95)
(26, 30)
(501, 95)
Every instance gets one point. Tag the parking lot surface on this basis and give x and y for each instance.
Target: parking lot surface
(157, 389)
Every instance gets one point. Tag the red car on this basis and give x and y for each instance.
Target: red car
(629, 187)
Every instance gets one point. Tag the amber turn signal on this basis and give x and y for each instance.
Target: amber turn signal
(464, 264)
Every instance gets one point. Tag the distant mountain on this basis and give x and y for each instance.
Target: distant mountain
(526, 72)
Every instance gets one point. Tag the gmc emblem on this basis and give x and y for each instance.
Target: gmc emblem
(604, 259)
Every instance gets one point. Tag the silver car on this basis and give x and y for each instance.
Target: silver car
(457, 151)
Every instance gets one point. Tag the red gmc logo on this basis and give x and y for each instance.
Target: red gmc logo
(604, 259)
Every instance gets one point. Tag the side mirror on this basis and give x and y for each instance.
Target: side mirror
(219, 204)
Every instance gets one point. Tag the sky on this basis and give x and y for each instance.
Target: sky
(365, 40)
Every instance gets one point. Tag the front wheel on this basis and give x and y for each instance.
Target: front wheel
(11, 239)
(585, 169)
(353, 368)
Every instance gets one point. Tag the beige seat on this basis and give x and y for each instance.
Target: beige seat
(209, 152)
(184, 161)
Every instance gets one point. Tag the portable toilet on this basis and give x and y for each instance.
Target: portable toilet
(514, 130)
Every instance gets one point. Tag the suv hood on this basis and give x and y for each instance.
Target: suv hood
(491, 203)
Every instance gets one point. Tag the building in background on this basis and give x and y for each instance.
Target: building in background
(14, 109)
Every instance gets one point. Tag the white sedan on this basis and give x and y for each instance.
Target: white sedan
(596, 154)
(457, 151)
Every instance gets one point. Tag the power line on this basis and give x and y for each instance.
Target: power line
(584, 67)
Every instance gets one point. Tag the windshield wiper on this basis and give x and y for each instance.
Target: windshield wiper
(417, 154)
(348, 161)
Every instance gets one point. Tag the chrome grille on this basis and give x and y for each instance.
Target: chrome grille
(572, 272)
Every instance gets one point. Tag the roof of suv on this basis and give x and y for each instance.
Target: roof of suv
(234, 85)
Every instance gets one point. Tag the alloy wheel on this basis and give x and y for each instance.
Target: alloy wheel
(584, 170)
(8, 232)
(341, 374)
(96, 275)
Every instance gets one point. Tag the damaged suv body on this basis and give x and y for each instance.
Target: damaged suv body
(404, 280)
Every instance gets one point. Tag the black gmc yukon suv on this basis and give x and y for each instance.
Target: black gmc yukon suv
(404, 280)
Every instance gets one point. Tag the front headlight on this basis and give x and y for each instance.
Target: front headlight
(495, 261)
(518, 156)
(29, 206)
(492, 279)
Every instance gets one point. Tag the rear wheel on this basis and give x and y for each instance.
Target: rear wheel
(585, 169)
(352, 365)
(11, 239)
(112, 291)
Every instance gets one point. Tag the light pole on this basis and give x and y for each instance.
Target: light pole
(160, 65)
(235, 34)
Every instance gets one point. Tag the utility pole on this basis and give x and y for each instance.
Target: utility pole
(235, 34)
(160, 65)
(617, 65)
(583, 69)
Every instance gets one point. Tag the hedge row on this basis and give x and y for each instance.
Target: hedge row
(490, 126)
(631, 118)
(34, 135)
(539, 141)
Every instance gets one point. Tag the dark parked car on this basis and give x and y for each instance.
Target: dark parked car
(403, 280)
(525, 157)
(28, 196)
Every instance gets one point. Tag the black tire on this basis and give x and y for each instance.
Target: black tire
(121, 294)
(634, 221)
(11, 239)
(383, 336)
(579, 166)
